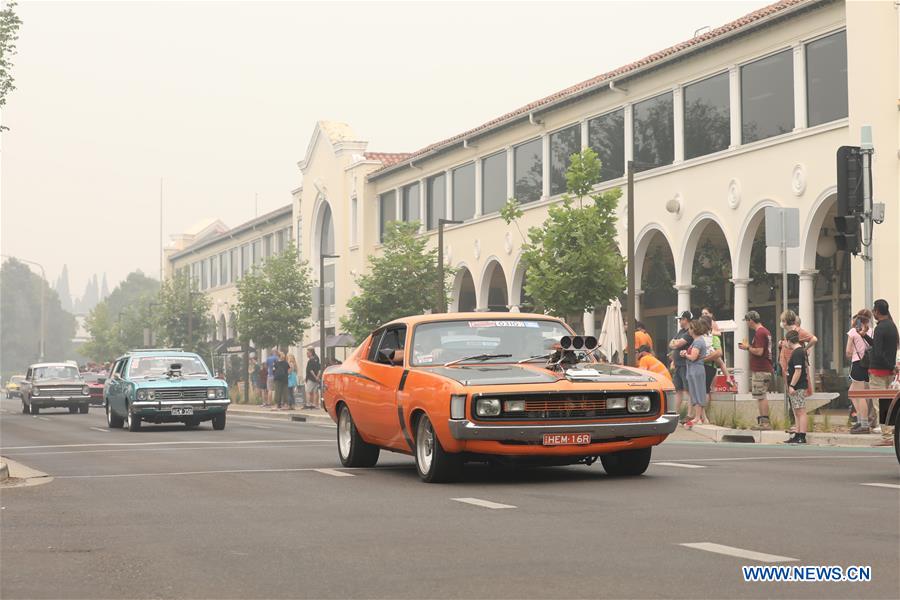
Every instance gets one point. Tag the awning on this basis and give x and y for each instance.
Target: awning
(341, 340)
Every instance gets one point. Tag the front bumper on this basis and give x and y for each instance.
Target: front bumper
(467, 430)
(56, 401)
(166, 405)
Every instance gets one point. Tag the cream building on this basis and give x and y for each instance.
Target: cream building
(723, 125)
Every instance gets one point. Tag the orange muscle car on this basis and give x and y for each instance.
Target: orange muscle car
(497, 387)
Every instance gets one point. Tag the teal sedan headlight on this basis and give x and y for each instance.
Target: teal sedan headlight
(216, 393)
(141, 395)
(220, 392)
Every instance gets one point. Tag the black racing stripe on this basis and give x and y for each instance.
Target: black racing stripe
(403, 380)
(406, 436)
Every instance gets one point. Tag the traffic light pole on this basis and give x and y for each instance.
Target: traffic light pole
(868, 225)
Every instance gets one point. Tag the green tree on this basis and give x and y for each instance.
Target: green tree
(117, 324)
(171, 314)
(9, 33)
(20, 314)
(274, 301)
(573, 263)
(403, 281)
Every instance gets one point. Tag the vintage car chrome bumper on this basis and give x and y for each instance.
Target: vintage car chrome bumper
(170, 403)
(467, 430)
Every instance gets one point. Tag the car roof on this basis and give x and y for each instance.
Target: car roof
(159, 352)
(52, 364)
(471, 316)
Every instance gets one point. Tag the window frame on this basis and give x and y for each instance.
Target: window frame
(577, 128)
(540, 140)
(701, 79)
(740, 66)
(805, 44)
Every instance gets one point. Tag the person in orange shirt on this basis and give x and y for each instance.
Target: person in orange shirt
(641, 337)
(648, 362)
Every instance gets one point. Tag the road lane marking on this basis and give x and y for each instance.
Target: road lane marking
(4, 449)
(177, 473)
(483, 503)
(327, 426)
(681, 465)
(334, 473)
(892, 486)
(261, 426)
(739, 552)
(191, 449)
(863, 456)
(44, 418)
(100, 429)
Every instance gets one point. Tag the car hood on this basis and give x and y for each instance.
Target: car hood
(177, 382)
(519, 374)
(59, 382)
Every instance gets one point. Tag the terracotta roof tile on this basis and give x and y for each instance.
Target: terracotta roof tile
(712, 34)
(387, 158)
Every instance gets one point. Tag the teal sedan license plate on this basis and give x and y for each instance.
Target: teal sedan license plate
(182, 411)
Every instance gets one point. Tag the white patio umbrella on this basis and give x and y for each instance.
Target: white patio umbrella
(612, 338)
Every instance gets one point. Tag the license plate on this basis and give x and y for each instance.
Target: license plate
(567, 439)
(182, 410)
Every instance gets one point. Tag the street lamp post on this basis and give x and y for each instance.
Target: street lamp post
(322, 258)
(442, 304)
(43, 300)
(632, 290)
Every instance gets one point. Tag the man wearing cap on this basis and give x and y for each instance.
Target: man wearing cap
(681, 341)
(760, 349)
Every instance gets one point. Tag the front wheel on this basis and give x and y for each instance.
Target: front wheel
(434, 464)
(132, 421)
(218, 422)
(626, 463)
(113, 421)
(352, 449)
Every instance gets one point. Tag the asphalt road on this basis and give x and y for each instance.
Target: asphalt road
(249, 513)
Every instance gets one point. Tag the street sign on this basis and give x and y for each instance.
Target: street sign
(782, 227)
(773, 260)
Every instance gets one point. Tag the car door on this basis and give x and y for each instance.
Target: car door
(117, 388)
(381, 383)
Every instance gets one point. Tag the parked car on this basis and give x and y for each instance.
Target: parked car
(164, 386)
(96, 382)
(503, 388)
(12, 386)
(53, 385)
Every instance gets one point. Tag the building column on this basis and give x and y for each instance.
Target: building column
(639, 296)
(808, 314)
(734, 91)
(479, 201)
(800, 116)
(423, 206)
(741, 357)
(448, 207)
(510, 173)
(584, 135)
(684, 296)
(629, 134)
(678, 121)
(589, 322)
(545, 166)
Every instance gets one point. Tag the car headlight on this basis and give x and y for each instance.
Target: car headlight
(615, 403)
(639, 404)
(514, 406)
(35, 391)
(141, 395)
(211, 394)
(458, 406)
(220, 392)
(487, 407)
(86, 391)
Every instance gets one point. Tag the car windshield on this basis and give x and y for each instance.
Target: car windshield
(55, 372)
(444, 341)
(157, 366)
(91, 377)
(17, 378)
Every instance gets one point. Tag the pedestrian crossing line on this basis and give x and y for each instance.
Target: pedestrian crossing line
(334, 473)
(100, 429)
(738, 552)
(681, 465)
(892, 486)
(483, 503)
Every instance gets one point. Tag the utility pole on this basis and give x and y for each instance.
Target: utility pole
(632, 289)
(442, 296)
(322, 258)
(866, 149)
(44, 284)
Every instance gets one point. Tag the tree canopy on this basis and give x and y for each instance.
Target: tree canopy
(9, 33)
(117, 323)
(171, 314)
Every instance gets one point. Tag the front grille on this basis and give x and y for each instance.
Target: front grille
(180, 394)
(60, 391)
(569, 405)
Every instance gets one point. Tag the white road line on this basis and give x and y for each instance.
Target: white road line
(43, 418)
(182, 449)
(100, 429)
(739, 552)
(174, 473)
(861, 456)
(483, 503)
(157, 444)
(893, 486)
(327, 426)
(681, 465)
(334, 473)
(261, 426)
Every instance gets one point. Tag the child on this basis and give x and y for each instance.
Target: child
(797, 378)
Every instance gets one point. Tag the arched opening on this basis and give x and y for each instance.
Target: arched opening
(494, 288)
(659, 301)
(464, 297)
(324, 244)
(519, 297)
(222, 329)
(710, 273)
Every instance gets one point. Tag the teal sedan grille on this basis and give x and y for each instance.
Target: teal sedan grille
(193, 393)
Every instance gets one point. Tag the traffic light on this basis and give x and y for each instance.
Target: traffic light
(850, 206)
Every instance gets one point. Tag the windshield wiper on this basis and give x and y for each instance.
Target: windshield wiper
(476, 357)
(198, 373)
(530, 358)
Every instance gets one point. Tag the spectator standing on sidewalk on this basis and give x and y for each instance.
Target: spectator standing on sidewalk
(253, 369)
(280, 369)
(313, 375)
(714, 359)
(681, 341)
(648, 362)
(791, 322)
(292, 380)
(270, 374)
(797, 382)
(707, 312)
(760, 349)
(856, 352)
(883, 354)
(695, 372)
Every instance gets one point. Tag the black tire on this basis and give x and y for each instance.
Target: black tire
(132, 421)
(218, 422)
(35, 409)
(626, 463)
(73, 409)
(113, 421)
(84, 409)
(352, 449)
(433, 463)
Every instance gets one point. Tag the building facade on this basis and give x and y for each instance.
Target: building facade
(746, 116)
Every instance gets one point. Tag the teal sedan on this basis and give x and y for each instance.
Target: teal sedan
(163, 386)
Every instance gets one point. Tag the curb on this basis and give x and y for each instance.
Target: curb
(4, 471)
(299, 416)
(725, 434)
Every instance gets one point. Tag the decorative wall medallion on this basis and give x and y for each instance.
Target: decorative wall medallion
(675, 206)
(798, 180)
(477, 250)
(507, 244)
(734, 193)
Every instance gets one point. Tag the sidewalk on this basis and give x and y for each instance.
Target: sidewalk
(715, 433)
(310, 416)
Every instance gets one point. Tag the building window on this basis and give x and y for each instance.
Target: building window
(529, 171)
(246, 261)
(707, 124)
(195, 276)
(235, 264)
(436, 206)
(767, 97)
(410, 204)
(654, 132)
(826, 79)
(214, 271)
(464, 192)
(354, 203)
(563, 144)
(493, 182)
(204, 274)
(225, 267)
(257, 251)
(300, 238)
(606, 137)
(388, 202)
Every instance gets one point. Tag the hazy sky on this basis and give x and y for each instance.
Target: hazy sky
(220, 98)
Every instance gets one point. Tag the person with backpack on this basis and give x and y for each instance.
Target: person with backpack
(797, 382)
(857, 353)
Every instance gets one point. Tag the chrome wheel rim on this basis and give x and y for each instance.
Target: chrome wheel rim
(425, 446)
(344, 433)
